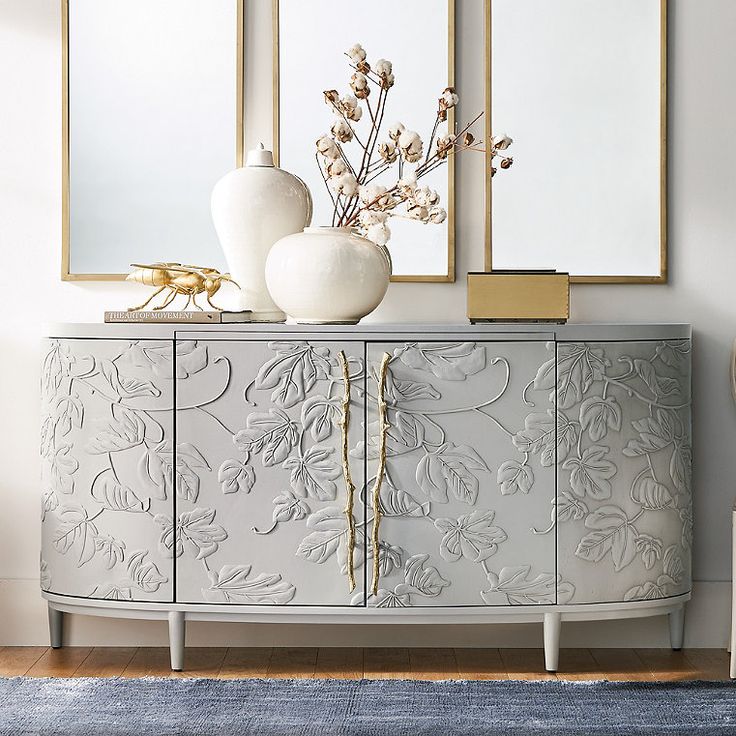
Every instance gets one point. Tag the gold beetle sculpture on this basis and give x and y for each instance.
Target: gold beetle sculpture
(178, 279)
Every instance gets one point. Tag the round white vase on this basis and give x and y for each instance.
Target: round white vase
(252, 208)
(327, 275)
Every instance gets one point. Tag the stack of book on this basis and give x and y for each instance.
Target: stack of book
(174, 316)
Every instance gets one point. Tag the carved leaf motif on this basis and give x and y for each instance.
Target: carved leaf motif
(76, 533)
(56, 364)
(132, 388)
(158, 357)
(70, 413)
(158, 465)
(235, 476)
(570, 508)
(63, 467)
(421, 578)
(660, 386)
(397, 502)
(389, 557)
(578, 367)
(288, 507)
(113, 592)
(44, 575)
(49, 502)
(330, 528)
(272, 433)
(110, 549)
(233, 584)
(403, 389)
(611, 532)
(319, 415)
(313, 475)
(196, 533)
(598, 415)
(144, 573)
(472, 536)
(520, 589)
(391, 599)
(673, 352)
(448, 469)
(449, 361)
(125, 430)
(681, 467)
(649, 494)
(590, 474)
(672, 564)
(542, 435)
(111, 494)
(293, 371)
(48, 438)
(654, 434)
(512, 476)
(650, 549)
(646, 591)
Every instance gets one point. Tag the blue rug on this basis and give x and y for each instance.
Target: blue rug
(113, 707)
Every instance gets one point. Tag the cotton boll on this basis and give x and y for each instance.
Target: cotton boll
(359, 85)
(411, 146)
(408, 183)
(417, 212)
(356, 53)
(450, 98)
(367, 218)
(351, 108)
(387, 151)
(346, 184)
(328, 148)
(336, 168)
(342, 131)
(380, 234)
(501, 142)
(395, 131)
(375, 194)
(437, 215)
(384, 69)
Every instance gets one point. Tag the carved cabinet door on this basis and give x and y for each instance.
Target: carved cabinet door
(624, 508)
(261, 493)
(107, 466)
(469, 474)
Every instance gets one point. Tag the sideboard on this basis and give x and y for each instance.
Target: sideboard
(379, 473)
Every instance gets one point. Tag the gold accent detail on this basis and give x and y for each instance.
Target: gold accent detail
(510, 296)
(181, 280)
(662, 278)
(66, 274)
(383, 427)
(349, 485)
(449, 277)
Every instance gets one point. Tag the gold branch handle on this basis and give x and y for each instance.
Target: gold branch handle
(383, 427)
(350, 486)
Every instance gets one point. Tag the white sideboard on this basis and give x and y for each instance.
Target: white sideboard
(501, 473)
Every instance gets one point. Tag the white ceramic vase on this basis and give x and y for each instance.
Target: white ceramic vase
(252, 208)
(327, 275)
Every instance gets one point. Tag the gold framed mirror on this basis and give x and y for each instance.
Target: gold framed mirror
(585, 99)
(304, 68)
(152, 117)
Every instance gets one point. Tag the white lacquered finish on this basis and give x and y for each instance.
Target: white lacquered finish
(195, 474)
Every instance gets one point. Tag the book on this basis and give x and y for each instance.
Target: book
(174, 316)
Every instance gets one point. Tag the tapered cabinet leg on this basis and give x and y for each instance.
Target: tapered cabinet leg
(177, 635)
(552, 626)
(677, 628)
(56, 627)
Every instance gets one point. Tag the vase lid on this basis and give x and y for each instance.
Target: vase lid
(259, 157)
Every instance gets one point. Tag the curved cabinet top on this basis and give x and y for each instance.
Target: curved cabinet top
(376, 331)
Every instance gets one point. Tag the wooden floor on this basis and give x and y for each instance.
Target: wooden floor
(413, 664)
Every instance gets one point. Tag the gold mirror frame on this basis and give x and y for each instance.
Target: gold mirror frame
(450, 276)
(66, 274)
(662, 277)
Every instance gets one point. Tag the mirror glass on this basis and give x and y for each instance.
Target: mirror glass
(152, 98)
(416, 36)
(579, 86)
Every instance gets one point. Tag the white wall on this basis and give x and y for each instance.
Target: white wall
(702, 219)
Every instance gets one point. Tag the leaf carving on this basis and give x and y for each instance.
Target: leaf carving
(397, 502)
(234, 584)
(421, 578)
(288, 507)
(110, 549)
(660, 386)
(611, 533)
(330, 528)
(650, 494)
(448, 470)
(158, 357)
(650, 549)
(313, 475)
(549, 438)
(76, 533)
(472, 536)
(449, 361)
(391, 599)
(319, 415)
(196, 532)
(570, 508)
(70, 414)
(144, 573)
(404, 389)
(63, 467)
(125, 430)
(578, 367)
(598, 415)
(271, 433)
(389, 557)
(235, 476)
(521, 590)
(111, 494)
(512, 476)
(591, 473)
(654, 434)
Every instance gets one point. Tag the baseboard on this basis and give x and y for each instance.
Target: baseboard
(23, 622)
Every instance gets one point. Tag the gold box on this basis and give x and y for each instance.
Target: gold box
(517, 296)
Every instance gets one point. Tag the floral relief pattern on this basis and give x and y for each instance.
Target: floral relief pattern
(624, 474)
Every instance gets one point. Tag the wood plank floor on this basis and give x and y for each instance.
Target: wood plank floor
(374, 663)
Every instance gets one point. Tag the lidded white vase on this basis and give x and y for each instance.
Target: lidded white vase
(252, 208)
